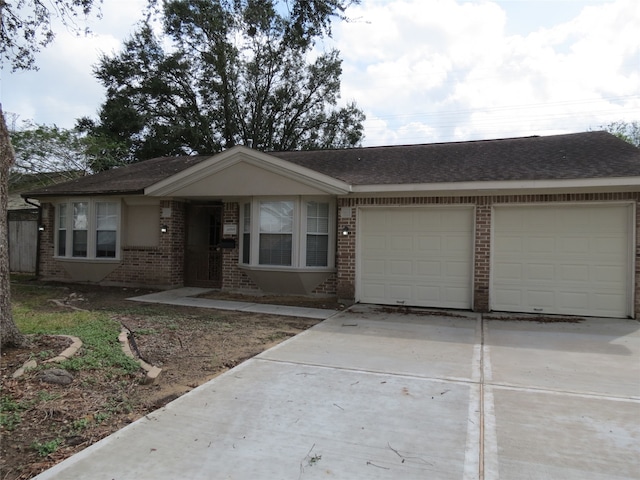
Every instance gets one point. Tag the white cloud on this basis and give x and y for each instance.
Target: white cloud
(422, 71)
(445, 70)
(64, 88)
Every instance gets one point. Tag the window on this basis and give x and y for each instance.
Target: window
(292, 232)
(94, 227)
(276, 233)
(62, 230)
(106, 229)
(317, 234)
(246, 234)
(80, 225)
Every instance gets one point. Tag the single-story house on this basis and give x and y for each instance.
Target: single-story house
(544, 225)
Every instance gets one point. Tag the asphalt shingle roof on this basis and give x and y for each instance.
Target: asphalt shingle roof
(130, 179)
(572, 156)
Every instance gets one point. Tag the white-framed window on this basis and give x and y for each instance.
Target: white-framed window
(246, 233)
(294, 232)
(88, 228)
(317, 234)
(276, 233)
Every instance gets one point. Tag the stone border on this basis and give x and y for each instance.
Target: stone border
(67, 353)
(152, 372)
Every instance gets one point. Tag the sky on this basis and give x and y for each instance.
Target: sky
(422, 71)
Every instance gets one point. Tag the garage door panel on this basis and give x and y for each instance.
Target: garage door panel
(573, 273)
(509, 297)
(429, 269)
(508, 244)
(574, 260)
(375, 242)
(401, 244)
(455, 269)
(374, 267)
(537, 272)
(428, 243)
(540, 245)
(428, 264)
(614, 275)
(509, 271)
(401, 292)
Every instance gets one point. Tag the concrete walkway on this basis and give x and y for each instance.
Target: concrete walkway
(369, 394)
(187, 297)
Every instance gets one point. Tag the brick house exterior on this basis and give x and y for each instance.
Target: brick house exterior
(591, 169)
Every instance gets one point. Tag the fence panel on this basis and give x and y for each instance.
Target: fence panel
(23, 238)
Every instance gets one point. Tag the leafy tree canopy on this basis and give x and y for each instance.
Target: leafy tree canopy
(26, 26)
(226, 73)
(65, 153)
(627, 131)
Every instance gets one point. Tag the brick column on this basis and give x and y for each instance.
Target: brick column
(346, 252)
(482, 259)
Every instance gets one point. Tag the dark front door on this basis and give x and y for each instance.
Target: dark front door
(203, 259)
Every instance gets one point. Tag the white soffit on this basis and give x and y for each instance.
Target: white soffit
(265, 173)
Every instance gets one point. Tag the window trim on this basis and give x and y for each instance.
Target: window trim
(91, 229)
(299, 234)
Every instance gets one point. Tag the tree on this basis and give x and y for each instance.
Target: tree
(627, 131)
(9, 333)
(65, 153)
(25, 27)
(237, 72)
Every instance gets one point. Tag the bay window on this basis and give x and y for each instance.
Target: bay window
(276, 233)
(93, 227)
(288, 232)
(79, 233)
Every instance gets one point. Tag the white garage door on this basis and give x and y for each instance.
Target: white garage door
(572, 260)
(415, 256)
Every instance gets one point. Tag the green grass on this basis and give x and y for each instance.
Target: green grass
(45, 449)
(99, 333)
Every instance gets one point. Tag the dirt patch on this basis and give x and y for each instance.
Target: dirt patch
(42, 424)
(534, 318)
(326, 303)
(418, 311)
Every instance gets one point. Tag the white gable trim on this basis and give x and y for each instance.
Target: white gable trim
(240, 154)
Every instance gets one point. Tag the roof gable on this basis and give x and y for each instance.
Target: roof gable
(241, 171)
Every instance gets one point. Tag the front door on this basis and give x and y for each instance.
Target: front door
(203, 259)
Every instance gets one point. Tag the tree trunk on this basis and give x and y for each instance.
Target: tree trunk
(10, 336)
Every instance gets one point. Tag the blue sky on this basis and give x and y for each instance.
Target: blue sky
(422, 70)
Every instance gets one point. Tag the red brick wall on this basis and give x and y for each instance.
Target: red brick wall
(233, 278)
(160, 266)
(164, 265)
(49, 268)
(346, 259)
(152, 266)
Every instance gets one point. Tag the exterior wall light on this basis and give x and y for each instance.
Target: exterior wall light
(164, 229)
(345, 230)
(41, 228)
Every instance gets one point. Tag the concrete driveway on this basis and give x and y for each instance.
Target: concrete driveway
(373, 394)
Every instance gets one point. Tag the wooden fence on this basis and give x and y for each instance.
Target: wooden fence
(23, 240)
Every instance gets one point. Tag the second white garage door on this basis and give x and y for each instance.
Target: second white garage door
(562, 259)
(418, 256)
